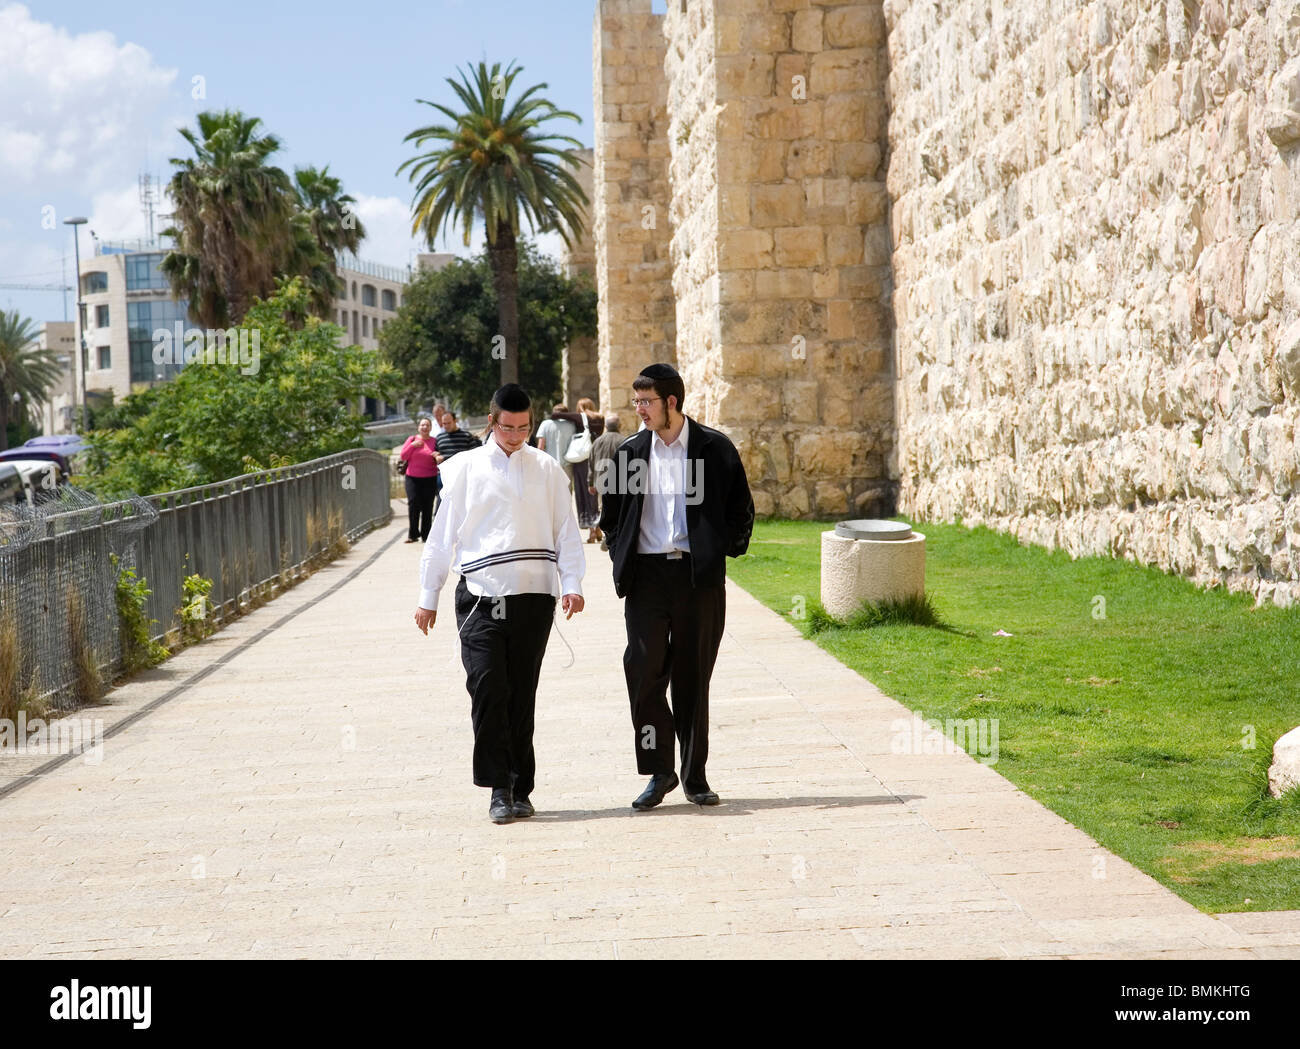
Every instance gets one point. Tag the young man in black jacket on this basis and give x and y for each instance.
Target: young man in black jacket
(676, 504)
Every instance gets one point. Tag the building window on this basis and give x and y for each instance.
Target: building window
(365, 326)
(101, 316)
(389, 300)
(142, 273)
(93, 282)
(354, 291)
(105, 358)
(144, 322)
(368, 295)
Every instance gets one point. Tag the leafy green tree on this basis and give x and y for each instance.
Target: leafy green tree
(25, 368)
(495, 164)
(441, 340)
(218, 420)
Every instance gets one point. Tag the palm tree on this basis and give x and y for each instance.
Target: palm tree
(231, 220)
(331, 226)
(26, 369)
(495, 164)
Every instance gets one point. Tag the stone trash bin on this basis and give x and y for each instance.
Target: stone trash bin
(870, 561)
(1284, 773)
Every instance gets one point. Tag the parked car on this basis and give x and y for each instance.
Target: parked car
(29, 481)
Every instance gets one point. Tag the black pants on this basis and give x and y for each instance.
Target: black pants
(673, 633)
(501, 644)
(419, 505)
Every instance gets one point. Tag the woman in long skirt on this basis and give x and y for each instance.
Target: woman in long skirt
(588, 510)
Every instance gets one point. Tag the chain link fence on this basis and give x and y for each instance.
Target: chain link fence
(248, 535)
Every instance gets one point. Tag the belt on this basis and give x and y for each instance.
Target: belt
(676, 555)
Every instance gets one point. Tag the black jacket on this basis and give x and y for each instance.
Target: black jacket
(719, 514)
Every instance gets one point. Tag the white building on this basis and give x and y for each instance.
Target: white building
(127, 300)
(57, 415)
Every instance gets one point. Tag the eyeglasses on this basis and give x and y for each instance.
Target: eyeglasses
(513, 429)
(645, 402)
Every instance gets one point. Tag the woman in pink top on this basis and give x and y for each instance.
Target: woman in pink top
(421, 481)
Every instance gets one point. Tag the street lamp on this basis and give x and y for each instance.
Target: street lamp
(81, 308)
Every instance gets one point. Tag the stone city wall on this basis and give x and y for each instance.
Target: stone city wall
(780, 243)
(630, 200)
(1034, 261)
(1097, 302)
(580, 372)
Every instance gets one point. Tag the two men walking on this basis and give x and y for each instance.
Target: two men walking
(676, 504)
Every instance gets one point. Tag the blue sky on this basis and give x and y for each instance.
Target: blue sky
(91, 95)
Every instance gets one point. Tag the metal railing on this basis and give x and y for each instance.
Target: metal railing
(395, 274)
(245, 534)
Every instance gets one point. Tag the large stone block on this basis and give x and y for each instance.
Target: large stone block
(844, 117)
(841, 71)
(745, 249)
(787, 121)
(799, 246)
(857, 25)
(767, 32)
(744, 75)
(806, 30)
(780, 205)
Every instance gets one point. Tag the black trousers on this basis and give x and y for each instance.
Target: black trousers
(419, 505)
(502, 643)
(673, 633)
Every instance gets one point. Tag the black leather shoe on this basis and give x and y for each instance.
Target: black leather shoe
(523, 808)
(503, 804)
(659, 785)
(705, 797)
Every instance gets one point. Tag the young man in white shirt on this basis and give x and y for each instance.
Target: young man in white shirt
(507, 526)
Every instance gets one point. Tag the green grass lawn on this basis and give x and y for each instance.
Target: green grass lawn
(1151, 729)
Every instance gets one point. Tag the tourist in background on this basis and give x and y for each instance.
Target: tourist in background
(421, 480)
(602, 458)
(453, 439)
(584, 494)
(553, 438)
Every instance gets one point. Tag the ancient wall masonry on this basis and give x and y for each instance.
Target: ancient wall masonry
(630, 199)
(780, 243)
(1040, 259)
(580, 370)
(1097, 299)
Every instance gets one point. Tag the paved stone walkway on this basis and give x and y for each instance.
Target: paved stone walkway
(310, 797)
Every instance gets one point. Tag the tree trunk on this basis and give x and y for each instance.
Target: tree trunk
(504, 256)
(4, 418)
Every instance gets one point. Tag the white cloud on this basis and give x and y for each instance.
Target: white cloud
(119, 215)
(74, 109)
(388, 230)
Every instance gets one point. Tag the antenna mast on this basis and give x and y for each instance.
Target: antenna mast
(148, 198)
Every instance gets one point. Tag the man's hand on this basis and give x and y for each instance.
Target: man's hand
(591, 489)
(571, 603)
(424, 618)
(438, 458)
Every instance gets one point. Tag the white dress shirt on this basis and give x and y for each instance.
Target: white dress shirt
(506, 524)
(663, 509)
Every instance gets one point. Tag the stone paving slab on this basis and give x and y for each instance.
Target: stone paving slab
(311, 797)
